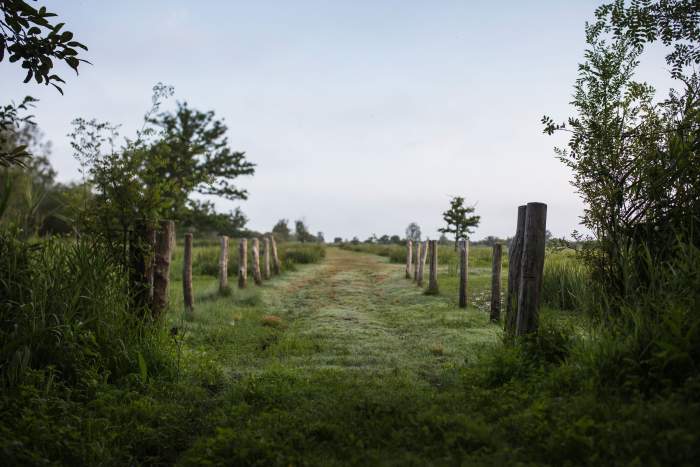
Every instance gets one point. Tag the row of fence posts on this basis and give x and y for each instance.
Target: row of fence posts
(525, 270)
(271, 264)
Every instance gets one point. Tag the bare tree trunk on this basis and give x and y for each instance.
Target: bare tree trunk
(187, 274)
(515, 255)
(266, 258)
(409, 258)
(276, 266)
(243, 263)
(223, 265)
(257, 277)
(532, 269)
(421, 263)
(161, 267)
(496, 283)
(463, 272)
(433, 288)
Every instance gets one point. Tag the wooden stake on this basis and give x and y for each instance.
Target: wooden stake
(515, 256)
(187, 274)
(161, 267)
(463, 272)
(417, 262)
(433, 288)
(266, 258)
(257, 277)
(409, 258)
(496, 282)
(243, 263)
(532, 267)
(223, 265)
(276, 266)
(421, 263)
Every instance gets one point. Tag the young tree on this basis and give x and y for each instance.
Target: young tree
(281, 230)
(634, 158)
(458, 219)
(338, 240)
(319, 238)
(413, 232)
(302, 232)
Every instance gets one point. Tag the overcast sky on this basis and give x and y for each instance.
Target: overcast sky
(361, 116)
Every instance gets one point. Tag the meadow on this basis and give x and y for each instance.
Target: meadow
(339, 361)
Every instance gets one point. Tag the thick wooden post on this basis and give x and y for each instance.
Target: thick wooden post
(187, 274)
(243, 263)
(496, 282)
(515, 256)
(276, 267)
(223, 265)
(463, 272)
(409, 258)
(266, 258)
(161, 267)
(416, 262)
(421, 265)
(257, 277)
(432, 279)
(531, 269)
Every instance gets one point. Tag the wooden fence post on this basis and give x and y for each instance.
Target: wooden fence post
(421, 263)
(223, 265)
(409, 258)
(257, 277)
(496, 282)
(463, 272)
(532, 268)
(161, 267)
(243, 263)
(515, 255)
(432, 279)
(276, 267)
(266, 258)
(187, 274)
(416, 262)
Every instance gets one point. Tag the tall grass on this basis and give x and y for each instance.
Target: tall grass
(64, 307)
(566, 283)
(205, 261)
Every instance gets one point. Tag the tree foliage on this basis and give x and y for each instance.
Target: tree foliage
(281, 230)
(458, 219)
(29, 36)
(194, 154)
(301, 231)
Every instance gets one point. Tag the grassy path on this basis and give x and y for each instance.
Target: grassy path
(344, 362)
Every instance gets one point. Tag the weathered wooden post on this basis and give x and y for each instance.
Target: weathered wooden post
(161, 267)
(515, 256)
(266, 258)
(409, 258)
(463, 272)
(496, 282)
(532, 268)
(243, 263)
(416, 262)
(187, 274)
(223, 265)
(432, 279)
(276, 267)
(422, 255)
(257, 277)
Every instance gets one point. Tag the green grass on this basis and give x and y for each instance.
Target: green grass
(345, 362)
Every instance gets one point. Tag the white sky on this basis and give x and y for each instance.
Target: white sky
(361, 116)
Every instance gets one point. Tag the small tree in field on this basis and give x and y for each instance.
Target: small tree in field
(281, 230)
(302, 232)
(458, 219)
(413, 232)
